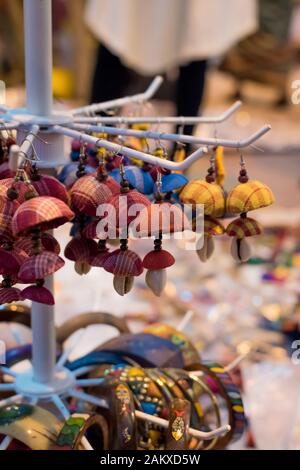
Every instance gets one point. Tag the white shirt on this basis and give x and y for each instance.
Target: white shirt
(151, 36)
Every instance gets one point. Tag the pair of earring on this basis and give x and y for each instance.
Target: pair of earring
(248, 195)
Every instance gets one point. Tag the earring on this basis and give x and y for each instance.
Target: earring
(209, 193)
(247, 196)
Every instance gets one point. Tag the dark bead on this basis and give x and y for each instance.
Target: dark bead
(210, 178)
(243, 179)
(12, 194)
(123, 244)
(39, 282)
(243, 172)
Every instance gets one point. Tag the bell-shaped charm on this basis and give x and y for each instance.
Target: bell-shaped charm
(82, 267)
(240, 249)
(156, 280)
(207, 249)
(123, 284)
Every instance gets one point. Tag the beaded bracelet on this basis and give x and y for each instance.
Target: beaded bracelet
(148, 399)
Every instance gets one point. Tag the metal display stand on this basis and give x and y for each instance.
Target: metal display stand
(47, 380)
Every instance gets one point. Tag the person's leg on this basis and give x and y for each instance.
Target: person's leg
(110, 78)
(190, 88)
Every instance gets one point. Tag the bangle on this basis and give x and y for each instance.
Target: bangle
(148, 398)
(146, 349)
(87, 319)
(16, 314)
(177, 437)
(120, 413)
(193, 389)
(230, 392)
(188, 352)
(33, 426)
(79, 425)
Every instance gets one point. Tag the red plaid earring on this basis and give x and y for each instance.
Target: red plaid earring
(125, 264)
(35, 215)
(87, 194)
(158, 219)
(247, 196)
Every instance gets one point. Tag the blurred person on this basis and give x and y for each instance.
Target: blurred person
(154, 37)
(266, 56)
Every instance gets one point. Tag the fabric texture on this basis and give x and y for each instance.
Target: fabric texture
(123, 263)
(249, 196)
(44, 211)
(243, 227)
(210, 195)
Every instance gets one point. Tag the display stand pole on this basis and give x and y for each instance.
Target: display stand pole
(38, 69)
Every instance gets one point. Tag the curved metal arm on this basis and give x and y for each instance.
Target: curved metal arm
(161, 120)
(205, 435)
(131, 153)
(117, 103)
(175, 137)
(26, 145)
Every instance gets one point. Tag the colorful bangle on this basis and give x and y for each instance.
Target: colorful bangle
(146, 349)
(177, 437)
(31, 425)
(120, 413)
(148, 398)
(188, 352)
(79, 425)
(221, 383)
(192, 393)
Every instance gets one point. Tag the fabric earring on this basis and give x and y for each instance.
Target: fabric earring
(125, 264)
(157, 219)
(211, 195)
(247, 196)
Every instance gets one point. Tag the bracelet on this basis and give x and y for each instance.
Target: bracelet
(16, 314)
(188, 352)
(120, 413)
(230, 392)
(79, 425)
(31, 425)
(86, 319)
(177, 437)
(146, 349)
(192, 392)
(148, 399)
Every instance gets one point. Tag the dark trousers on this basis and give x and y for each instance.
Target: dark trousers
(112, 78)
